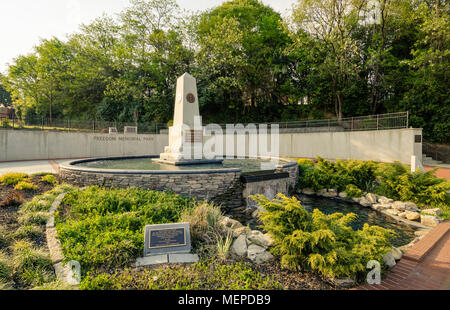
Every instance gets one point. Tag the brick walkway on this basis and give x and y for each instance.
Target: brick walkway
(441, 173)
(426, 266)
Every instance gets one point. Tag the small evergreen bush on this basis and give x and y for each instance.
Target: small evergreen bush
(325, 243)
(12, 178)
(23, 185)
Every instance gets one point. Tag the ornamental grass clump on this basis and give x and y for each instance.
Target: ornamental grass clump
(324, 243)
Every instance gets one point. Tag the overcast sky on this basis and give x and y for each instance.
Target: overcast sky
(24, 22)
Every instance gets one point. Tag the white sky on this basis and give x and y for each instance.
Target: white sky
(24, 22)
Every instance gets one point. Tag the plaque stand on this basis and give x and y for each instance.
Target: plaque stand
(167, 244)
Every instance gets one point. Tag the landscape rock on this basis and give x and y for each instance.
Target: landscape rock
(331, 193)
(413, 216)
(392, 212)
(239, 231)
(239, 246)
(421, 232)
(258, 238)
(228, 222)
(365, 203)
(380, 207)
(357, 199)
(396, 253)
(371, 198)
(344, 282)
(411, 206)
(434, 212)
(399, 206)
(322, 192)
(343, 195)
(258, 254)
(389, 259)
(383, 200)
(308, 191)
(403, 214)
(429, 220)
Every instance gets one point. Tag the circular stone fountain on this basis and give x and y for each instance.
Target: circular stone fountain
(229, 183)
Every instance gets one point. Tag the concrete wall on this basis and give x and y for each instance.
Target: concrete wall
(383, 145)
(31, 145)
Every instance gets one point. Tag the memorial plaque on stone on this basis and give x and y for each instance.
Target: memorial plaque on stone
(167, 238)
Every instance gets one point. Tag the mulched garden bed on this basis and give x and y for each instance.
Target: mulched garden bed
(9, 215)
(293, 280)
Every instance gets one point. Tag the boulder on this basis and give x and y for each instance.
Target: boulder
(228, 222)
(356, 199)
(380, 207)
(389, 259)
(258, 238)
(383, 200)
(413, 216)
(396, 253)
(411, 206)
(429, 220)
(344, 282)
(239, 231)
(308, 191)
(372, 198)
(239, 246)
(258, 254)
(343, 195)
(392, 212)
(365, 202)
(403, 214)
(421, 232)
(399, 206)
(331, 193)
(322, 192)
(434, 212)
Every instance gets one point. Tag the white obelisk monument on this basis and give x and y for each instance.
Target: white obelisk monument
(186, 134)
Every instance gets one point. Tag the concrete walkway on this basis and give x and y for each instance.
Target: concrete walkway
(30, 167)
(426, 266)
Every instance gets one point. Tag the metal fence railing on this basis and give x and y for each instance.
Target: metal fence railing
(362, 123)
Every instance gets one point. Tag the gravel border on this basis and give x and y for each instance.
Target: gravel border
(63, 271)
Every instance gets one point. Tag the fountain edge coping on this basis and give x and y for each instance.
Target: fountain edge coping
(70, 165)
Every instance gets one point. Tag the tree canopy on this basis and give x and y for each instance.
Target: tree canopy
(328, 59)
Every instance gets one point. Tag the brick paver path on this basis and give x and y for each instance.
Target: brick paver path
(426, 266)
(441, 173)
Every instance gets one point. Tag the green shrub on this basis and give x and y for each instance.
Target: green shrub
(424, 189)
(23, 185)
(105, 227)
(200, 276)
(353, 192)
(12, 178)
(325, 243)
(338, 175)
(50, 179)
